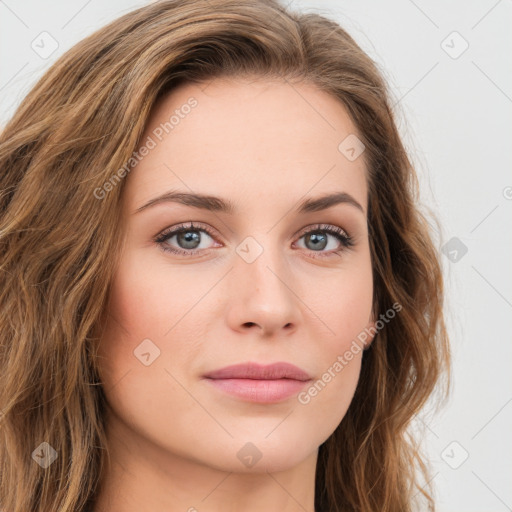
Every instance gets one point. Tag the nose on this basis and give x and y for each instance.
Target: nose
(263, 296)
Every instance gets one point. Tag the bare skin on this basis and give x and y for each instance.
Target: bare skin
(177, 443)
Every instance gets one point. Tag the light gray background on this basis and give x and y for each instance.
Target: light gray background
(455, 114)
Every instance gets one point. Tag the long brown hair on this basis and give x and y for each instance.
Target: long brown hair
(59, 244)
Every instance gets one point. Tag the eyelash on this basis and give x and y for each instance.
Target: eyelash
(340, 234)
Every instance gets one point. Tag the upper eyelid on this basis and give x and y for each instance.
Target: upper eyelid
(321, 226)
(187, 226)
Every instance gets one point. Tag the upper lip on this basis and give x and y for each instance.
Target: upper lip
(261, 372)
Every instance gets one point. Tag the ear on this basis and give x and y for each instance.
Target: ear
(370, 330)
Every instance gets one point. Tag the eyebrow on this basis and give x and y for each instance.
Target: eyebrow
(217, 204)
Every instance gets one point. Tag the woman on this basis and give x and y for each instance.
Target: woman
(217, 289)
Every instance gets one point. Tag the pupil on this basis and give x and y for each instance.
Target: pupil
(315, 237)
(188, 237)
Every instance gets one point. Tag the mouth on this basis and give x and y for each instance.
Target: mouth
(259, 383)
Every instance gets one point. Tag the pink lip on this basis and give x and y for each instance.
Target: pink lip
(257, 383)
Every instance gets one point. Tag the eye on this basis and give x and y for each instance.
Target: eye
(187, 236)
(189, 239)
(316, 238)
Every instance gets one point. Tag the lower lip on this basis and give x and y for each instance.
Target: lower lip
(260, 391)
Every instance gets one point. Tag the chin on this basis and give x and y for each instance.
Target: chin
(257, 455)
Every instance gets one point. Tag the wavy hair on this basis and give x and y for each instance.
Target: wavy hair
(59, 246)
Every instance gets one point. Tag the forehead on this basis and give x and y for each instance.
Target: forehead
(250, 137)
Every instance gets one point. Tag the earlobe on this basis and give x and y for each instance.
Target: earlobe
(371, 331)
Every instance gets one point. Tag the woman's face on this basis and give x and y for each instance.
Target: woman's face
(259, 278)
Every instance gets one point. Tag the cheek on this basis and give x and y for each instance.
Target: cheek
(142, 309)
(146, 305)
(346, 312)
(344, 304)
(134, 310)
(324, 403)
(146, 301)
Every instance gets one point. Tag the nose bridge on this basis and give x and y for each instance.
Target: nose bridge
(262, 261)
